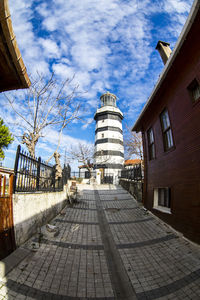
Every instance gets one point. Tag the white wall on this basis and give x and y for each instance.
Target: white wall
(109, 134)
(109, 108)
(109, 159)
(109, 146)
(31, 211)
(109, 122)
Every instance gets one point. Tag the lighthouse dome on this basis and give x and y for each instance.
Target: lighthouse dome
(108, 99)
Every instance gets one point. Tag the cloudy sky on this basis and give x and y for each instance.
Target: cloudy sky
(109, 45)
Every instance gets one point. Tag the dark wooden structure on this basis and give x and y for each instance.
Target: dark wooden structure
(13, 73)
(170, 125)
(7, 238)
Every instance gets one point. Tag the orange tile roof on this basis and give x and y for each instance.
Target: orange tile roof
(132, 162)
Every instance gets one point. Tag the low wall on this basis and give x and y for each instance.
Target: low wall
(31, 211)
(133, 187)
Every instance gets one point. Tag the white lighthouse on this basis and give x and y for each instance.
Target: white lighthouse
(109, 149)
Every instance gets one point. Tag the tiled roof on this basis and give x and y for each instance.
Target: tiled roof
(132, 162)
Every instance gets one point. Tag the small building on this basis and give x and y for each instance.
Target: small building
(170, 126)
(131, 163)
(84, 172)
(109, 148)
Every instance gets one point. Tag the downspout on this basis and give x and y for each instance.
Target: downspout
(145, 184)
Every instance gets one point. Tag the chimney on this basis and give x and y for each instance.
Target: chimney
(164, 50)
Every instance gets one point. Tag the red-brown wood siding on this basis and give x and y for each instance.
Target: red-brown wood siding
(179, 168)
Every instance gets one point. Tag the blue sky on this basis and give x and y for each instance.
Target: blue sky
(108, 44)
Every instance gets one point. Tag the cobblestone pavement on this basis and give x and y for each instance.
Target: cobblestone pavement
(109, 248)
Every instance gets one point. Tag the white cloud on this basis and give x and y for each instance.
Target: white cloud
(178, 6)
(87, 123)
(32, 53)
(107, 45)
(50, 47)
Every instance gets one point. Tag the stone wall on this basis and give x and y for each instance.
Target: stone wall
(32, 210)
(133, 187)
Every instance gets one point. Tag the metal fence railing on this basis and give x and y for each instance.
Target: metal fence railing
(134, 174)
(107, 179)
(83, 174)
(31, 174)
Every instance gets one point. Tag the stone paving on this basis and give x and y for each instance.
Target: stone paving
(110, 248)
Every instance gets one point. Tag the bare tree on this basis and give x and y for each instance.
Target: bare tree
(84, 153)
(133, 144)
(46, 104)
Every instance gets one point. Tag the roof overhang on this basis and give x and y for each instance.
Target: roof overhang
(194, 10)
(13, 73)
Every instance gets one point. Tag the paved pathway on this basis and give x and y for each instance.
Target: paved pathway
(108, 248)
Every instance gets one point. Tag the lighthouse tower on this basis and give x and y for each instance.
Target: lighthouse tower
(109, 149)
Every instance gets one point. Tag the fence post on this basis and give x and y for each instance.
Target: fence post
(54, 178)
(140, 171)
(16, 167)
(38, 174)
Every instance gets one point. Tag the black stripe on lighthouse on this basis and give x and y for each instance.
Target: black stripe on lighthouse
(114, 141)
(110, 128)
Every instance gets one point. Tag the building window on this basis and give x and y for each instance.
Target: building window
(151, 144)
(102, 135)
(166, 130)
(162, 199)
(194, 90)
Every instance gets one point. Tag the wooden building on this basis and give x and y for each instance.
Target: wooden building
(13, 73)
(131, 163)
(170, 125)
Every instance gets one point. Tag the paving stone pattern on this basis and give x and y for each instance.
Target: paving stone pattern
(108, 248)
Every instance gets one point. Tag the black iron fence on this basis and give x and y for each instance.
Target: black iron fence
(107, 179)
(83, 174)
(134, 174)
(32, 174)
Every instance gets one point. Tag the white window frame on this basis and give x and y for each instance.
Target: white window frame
(159, 207)
(151, 144)
(168, 141)
(194, 90)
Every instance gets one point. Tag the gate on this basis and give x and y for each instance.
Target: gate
(107, 179)
(7, 239)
